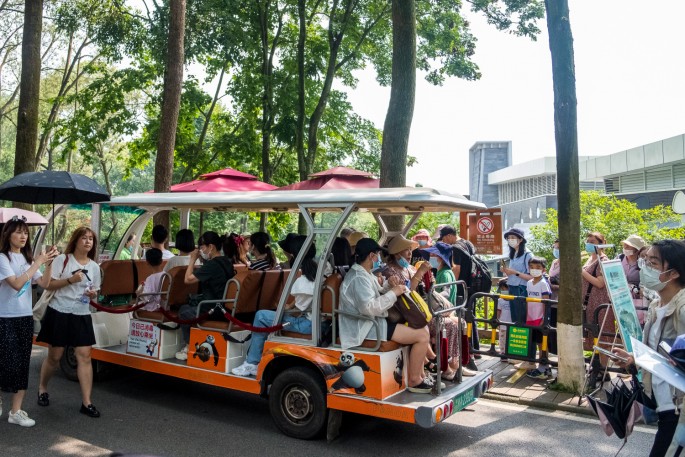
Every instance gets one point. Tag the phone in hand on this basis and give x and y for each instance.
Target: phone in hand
(610, 354)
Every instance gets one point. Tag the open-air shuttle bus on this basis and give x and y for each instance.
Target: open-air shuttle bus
(308, 382)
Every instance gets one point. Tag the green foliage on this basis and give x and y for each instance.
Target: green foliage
(611, 216)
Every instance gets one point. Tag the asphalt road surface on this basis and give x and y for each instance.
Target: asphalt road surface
(152, 414)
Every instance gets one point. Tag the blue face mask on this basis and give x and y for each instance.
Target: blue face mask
(377, 263)
(423, 242)
(590, 248)
(435, 263)
(402, 262)
(555, 253)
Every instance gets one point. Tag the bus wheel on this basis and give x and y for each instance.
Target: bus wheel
(297, 401)
(68, 363)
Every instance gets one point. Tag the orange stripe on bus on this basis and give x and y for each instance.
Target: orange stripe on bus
(372, 408)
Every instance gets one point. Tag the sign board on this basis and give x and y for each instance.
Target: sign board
(622, 302)
(483, 229)
(518, 341)
(143, 339)
(104, 255)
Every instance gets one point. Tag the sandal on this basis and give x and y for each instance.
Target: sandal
(43, 399)
(431, 366)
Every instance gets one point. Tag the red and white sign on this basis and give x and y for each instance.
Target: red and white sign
(485, 225)
(483, 229)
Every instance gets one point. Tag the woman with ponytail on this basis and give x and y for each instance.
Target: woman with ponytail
(263, 255)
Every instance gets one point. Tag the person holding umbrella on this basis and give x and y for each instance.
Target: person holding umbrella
(67, 321)
(18, 269)
(662, 271)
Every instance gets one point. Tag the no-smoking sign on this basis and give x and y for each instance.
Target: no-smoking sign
(485, 225)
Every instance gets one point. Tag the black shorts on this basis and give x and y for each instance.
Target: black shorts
(65, 329)
(391, 329)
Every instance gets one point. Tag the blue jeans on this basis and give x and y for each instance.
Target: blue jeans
(265, 318)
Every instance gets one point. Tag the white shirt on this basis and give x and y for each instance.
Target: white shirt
(167, 254)
(68, 298)
(303, 291)
(360, 293)
(178, 261)
(11, 303)
(536, 311)
(660, 388)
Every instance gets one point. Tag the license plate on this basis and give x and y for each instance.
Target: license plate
(464, 399)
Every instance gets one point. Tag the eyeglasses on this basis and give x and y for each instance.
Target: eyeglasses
(642, 263)
(16, 218)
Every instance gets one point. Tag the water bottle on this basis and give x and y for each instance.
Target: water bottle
(85, 299)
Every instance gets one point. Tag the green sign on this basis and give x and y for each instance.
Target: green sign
(518, 341)
(622, 302)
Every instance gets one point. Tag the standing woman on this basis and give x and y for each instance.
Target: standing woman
(518, 273)
(18, 269)
(632, 247)
(594, 289)
(67, 322)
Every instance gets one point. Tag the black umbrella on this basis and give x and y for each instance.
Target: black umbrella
(620, 411)
(50, 187)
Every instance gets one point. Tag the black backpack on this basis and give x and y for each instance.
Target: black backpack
(481, 278)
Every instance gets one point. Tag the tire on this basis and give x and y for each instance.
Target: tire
(297, 401)
(68, 364)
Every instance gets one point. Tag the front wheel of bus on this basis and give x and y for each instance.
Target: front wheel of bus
(68, 363)
(297, 401)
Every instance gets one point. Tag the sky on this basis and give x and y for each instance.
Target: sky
(630, 77)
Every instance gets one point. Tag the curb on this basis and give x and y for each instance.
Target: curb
(539, 404)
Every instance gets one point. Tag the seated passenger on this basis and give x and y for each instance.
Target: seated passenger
(300, 322)
(263, 257)
(153, 257)
(233, 249)
(342, 255)
(215, 271)
(185, 243)
(288, 245)
(160, 236)
(360, 293)
(127, 252)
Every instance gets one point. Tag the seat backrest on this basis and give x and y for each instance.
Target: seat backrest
(253, 290)
(178, 295)
(330, 293)
(120, 277)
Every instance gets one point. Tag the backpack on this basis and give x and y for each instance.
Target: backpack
(481, 277)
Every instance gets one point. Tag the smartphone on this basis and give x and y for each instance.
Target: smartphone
(610, 354)
(502, 264)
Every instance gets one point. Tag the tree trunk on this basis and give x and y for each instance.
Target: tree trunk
(402, 92)
(171, 102)
(569, 330)
(27, 115)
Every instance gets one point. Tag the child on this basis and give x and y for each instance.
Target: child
(538, 287)
(503, 315)
(152, 284)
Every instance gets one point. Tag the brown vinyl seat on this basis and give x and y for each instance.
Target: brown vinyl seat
(122, 277)
(178, 292)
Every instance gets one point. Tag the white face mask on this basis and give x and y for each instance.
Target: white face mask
(627, 251)
(649, 278)
(513, 242)
(204, 255)
(435, 263)
(536, 273)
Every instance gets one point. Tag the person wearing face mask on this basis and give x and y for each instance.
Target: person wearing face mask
(554, 273)
(424, 240)
(594, 292)
(215, 271)
(631, 252)
(361, 294)
(399, 250)
(663, 271)
(538, 287)
(517, 272)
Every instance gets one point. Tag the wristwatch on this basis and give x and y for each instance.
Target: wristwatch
(518, 274)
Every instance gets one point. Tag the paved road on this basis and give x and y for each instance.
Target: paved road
(152, 414)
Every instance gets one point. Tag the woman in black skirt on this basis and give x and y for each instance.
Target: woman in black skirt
(18, 269)
(67, 322)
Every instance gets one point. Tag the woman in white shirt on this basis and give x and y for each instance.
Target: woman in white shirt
(18, 269)
(185, 243)
(67, 322)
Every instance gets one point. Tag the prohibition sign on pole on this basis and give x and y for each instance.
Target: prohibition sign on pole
(485, 225)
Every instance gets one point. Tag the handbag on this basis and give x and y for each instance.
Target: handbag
(438, 301)
(413, 309)
(42, 304)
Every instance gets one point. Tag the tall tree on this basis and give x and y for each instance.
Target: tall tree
(569, 326)
(27, 115)
(171, 102)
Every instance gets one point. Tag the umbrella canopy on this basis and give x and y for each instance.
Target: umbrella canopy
(336, 178)
(620, 411)
(32, 218)
(50, 187)
(226, 180)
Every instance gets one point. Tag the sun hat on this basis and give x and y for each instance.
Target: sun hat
(516, 232)
(421, 233)
(355, 237)
(399, 243)
(635, 241)
(442, 250)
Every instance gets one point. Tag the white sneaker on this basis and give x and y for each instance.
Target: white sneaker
(21, 418)
(183, 353)
(246, 369)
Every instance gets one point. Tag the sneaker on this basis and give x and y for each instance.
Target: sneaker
(21, 418)
(43, 399)
(422, 388)
(183, 353)
(468, 372)
(246, 369)
(539, 374)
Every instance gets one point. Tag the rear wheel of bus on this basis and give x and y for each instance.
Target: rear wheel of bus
(297, 401)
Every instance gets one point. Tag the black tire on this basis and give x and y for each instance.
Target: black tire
(68, 364)
(297, 401)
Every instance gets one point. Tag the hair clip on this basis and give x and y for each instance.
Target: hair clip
(16, 218)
